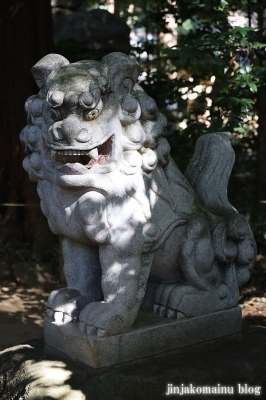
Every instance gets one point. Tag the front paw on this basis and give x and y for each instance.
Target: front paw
(64, 305)
(104, 319)
(168, 299)
(184, 301)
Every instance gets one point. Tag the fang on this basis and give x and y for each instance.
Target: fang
(93, 154)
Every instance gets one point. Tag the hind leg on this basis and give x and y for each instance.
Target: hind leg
(83, 277)
(199, 290)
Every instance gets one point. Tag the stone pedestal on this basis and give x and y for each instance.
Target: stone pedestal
(150, 335)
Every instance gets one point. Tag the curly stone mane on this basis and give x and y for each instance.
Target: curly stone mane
(143, 126)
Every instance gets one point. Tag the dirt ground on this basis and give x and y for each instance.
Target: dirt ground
(22, 308)
(253, 295)
(21, 313)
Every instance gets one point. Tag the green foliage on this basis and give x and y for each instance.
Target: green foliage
(209, 81)
(229, 55)
(90, 4)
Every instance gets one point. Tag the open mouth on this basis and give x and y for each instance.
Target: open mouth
(88, 158)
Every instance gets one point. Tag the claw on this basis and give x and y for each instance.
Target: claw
(180, 315)
(171, 313)
(67, 318)
(59, 317)
(162, 311)
(156, 308)
(101, 333)
(222, 291)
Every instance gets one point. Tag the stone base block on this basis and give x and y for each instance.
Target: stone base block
(150, 335)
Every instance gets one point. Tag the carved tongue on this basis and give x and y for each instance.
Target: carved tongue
(94, 154)
(73, 169)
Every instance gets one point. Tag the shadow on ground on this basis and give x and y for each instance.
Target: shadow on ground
(28, 373)
(21, 314)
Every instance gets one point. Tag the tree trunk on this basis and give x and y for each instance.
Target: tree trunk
(25, 37)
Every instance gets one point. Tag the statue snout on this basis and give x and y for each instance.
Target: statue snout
(70, 131)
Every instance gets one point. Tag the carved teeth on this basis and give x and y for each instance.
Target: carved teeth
(93, 154)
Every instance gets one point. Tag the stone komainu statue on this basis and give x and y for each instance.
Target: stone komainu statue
(134, 229)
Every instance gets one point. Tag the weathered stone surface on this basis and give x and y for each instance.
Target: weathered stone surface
(227, 361)
(95, 29)
(134, 228)
(149, 335)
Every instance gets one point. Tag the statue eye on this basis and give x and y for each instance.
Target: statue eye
(55, 114)
(89, 115)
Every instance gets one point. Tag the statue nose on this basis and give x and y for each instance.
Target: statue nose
(70, 131)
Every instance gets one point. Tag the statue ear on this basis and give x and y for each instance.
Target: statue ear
(45, 66)
(123, 72)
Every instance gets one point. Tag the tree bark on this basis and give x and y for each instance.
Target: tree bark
(25, 37)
